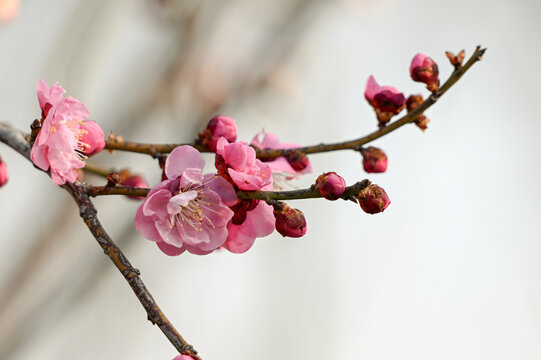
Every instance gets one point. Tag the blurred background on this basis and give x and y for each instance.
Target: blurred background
(451, 269)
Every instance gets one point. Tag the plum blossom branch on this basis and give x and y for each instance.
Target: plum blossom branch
(268, 196)
(17, 140)
(156, 150)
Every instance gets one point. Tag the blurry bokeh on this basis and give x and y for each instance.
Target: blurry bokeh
(451, 270)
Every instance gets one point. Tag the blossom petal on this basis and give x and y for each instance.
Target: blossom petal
(170, 249)
(182, 158)
(222, 187)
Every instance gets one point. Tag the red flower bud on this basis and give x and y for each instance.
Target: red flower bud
(330, 185)
(373, 199)
(217, 127)
(374, 160)
(289, 222)
(297, 159)
(4, 174)
(424, 69)
(93, 138)
(127, 179)
(411, 104)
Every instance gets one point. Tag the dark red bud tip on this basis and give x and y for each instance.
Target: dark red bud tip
(290, 222)
(373, 199)
(217, 127)
(298, 160)
(331, 185)
(374, 160)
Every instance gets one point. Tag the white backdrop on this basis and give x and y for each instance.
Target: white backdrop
(449, 271)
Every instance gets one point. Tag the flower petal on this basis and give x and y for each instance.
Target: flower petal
(182, 158)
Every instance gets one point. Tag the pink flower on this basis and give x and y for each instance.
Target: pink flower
(8, 10)
(424, 69)
(387, 101)
(189, 210)
(374, 160)
(4, 174)
(58, 145)
(331, 185)
(293, 167)
(217, 127)
(253, 218)
(93, 138)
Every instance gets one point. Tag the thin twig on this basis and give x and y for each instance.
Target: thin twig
(17, 140)
(156, 150)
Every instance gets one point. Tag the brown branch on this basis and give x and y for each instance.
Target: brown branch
(156, 150)
(19, 141)
(268, 196)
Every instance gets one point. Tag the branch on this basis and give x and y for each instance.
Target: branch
(17, 140)
(156, 150)
(309, 193)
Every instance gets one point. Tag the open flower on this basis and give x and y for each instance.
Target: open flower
(387, 101)
(58, 145)
(283, 167)
(253, 218)
(189, 210)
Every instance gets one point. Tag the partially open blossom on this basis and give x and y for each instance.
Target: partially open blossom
(93, 138)
(217, 127)
(289, 222)
(331, 185)
(189, 210)
(127, 179)
(411, 104)
(237, 163)
(8, 9)
(374, 160)
(424, 69)
(387, 101)
(373, 199)
(4, 174)
(296, 163)
(58, 145)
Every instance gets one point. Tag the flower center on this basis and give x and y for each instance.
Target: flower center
(190, 207)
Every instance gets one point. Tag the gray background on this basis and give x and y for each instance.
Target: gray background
(449, 271)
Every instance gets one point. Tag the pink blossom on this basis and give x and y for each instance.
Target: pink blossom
(8, 10)
(424, 69)
(58, 145)
(93, 138)
(4, 174)
(189, 210)
(217, 127)
(387, 101)
(281, 164)
(253, 218)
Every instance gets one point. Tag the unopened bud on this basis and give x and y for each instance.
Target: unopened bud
(112, 179)
(424, 69)
(93, 138)
(4, 174)
(297, 159)
(127, 179)
(374, 160)
(289, 222)
(411, 104)
(217, 127)
(456, 60)
(373, 199)
(331, 185)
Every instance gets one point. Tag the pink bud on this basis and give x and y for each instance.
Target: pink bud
(93, 138)
(387, 101)
(127, 179)
(217, 127)
(297, 159)
(331, 185)
(184, 357)
(374, 160)
(424, 69)
(4, 174)
(290, 222)
(373, 199)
